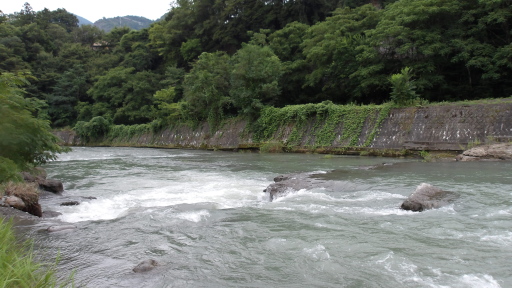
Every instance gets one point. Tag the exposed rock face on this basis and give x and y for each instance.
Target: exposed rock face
(39, 176)
(145, 266)
(501, 151)
(28, 194)
(284, 184)
(52, 185)
(427, 197)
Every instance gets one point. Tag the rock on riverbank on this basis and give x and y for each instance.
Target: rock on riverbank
(493, 152)
(25, 196)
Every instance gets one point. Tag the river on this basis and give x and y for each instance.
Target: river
(203, 216)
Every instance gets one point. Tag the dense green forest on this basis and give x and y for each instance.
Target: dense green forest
(212, 59)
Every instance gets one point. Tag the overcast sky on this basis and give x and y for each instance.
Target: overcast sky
(93, 10)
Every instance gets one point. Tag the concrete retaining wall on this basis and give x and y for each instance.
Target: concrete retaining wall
(449, 127)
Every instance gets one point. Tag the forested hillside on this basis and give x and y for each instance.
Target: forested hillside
(132, 22)
(208, 59)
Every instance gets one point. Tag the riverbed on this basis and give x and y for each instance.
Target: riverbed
(203, 216)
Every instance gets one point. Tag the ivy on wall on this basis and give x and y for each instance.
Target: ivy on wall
(320, 125)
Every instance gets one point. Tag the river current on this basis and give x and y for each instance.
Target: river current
(203, 216)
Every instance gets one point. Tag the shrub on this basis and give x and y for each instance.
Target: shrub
(403, 88)
(8, 170)
(272, 147)
(94, 129)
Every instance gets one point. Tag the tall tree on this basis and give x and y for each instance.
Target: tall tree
(254, 79)
(207, 87)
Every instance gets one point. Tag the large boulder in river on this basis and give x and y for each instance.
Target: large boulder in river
(284, 184)
(427, 197)
(52, 185)
(501, 151)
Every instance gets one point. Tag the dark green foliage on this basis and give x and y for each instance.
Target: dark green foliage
(24, 139)
(212, 59)
(207, 88)
(124, 95)
(94, 129)
(70, 88)
(254, 79)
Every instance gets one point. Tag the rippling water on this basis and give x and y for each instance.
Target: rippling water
(203, 216)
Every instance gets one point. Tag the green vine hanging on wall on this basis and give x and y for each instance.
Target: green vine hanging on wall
(321, 125)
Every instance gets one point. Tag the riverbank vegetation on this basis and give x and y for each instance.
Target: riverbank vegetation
(18, 268)
(208, 61)
(25, 142)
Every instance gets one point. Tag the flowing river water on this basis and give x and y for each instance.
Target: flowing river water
(203, 216)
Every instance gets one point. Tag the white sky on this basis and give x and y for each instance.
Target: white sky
(93, 10)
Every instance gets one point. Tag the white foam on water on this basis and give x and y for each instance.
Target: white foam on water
(364, 196)
(499, 213)
(321, 194)
(477, 281)
(407, 273)
(316, 253)
(503, 239)
(382, 211)
(106, 209)
(223, 191)
(196, 216)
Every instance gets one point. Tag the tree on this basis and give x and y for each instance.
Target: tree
(207, 88)
(70, 88)
(24, 139)
(254, 79)
(416, 34)
(330, 49)
(124, 95)
(87, 34)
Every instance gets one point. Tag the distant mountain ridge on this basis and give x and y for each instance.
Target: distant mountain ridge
(83, 21)
(133, 22)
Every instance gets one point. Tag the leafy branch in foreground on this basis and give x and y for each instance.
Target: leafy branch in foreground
(24, 139)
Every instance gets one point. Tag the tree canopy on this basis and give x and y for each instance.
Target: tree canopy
(211, 59)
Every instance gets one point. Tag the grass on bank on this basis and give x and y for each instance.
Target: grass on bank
(18, 268)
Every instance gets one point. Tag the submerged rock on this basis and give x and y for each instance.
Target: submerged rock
(60, 228)
(145, 266)
(51, 214)
(427, 197)
(70, 203)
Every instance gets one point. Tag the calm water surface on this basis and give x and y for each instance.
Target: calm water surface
(203, 216)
